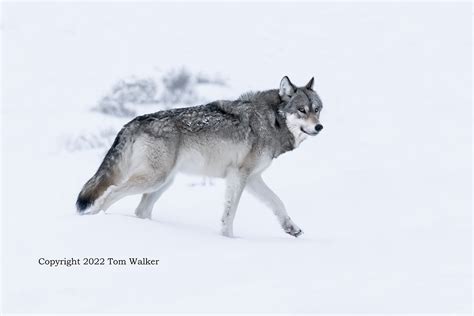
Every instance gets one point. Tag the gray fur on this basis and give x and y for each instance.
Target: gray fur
(235, 140)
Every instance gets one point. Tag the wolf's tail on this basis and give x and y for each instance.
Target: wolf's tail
(106, 175)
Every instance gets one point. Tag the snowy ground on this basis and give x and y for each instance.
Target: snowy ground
(383, 194)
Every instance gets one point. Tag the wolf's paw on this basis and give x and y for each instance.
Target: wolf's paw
(227, 232)
(143, 215)
(292, 229)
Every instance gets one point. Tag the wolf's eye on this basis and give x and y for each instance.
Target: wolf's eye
(301, 110)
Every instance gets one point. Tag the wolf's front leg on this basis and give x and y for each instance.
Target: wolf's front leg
(261, 191)
(235, 183)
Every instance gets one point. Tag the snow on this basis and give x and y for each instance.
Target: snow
(383, 194)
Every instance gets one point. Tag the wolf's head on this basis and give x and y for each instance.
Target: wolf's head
(302, 109)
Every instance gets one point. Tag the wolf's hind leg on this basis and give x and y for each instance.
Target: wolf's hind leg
(235, 184)
(135, 185)
(262, 192)
(113, 197)
(145, 208)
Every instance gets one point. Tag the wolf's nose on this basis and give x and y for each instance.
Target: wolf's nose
(318, 127)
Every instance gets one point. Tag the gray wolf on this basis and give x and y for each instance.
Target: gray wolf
(236, 140)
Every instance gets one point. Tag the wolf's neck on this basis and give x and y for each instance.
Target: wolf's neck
(289, 135)
(284, 133)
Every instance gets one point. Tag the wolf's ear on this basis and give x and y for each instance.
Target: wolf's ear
(287, 89)
(310, 84)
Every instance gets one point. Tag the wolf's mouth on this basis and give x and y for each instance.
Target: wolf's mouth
(310, 134)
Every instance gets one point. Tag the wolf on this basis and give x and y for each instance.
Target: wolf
(236, 140)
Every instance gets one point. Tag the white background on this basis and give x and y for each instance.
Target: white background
(383, 193)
